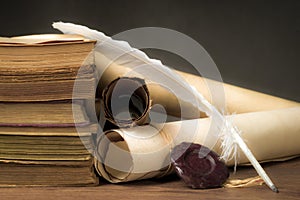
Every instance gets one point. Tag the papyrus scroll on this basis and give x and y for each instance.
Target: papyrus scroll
(143, 152)
(232, 99)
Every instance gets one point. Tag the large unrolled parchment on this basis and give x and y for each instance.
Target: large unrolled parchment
(227, 98)
(143, 152)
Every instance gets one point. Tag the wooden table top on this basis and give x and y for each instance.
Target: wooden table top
(285, 175)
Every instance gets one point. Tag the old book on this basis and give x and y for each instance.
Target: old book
(45, 173)
(47, 84)
(43, 156)
(43, 114)
(45, 67)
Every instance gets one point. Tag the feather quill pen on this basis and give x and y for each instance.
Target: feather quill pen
(123, 54)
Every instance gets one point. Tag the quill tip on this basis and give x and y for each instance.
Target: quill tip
(274, 188)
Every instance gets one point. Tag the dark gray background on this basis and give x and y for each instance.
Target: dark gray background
(255, 44)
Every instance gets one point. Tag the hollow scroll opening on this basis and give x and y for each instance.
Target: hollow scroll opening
(116, 159)
(126, 101)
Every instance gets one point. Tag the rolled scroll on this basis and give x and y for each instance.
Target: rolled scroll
(237, 99)
(143, 152)
(125, 103)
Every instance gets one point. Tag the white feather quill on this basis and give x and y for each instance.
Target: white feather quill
(123, 54)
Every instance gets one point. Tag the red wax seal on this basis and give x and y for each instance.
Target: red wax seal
(198, 166)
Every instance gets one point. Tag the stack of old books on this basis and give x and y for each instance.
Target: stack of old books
(41, 113)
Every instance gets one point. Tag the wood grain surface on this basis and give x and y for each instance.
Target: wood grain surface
(286, 176)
